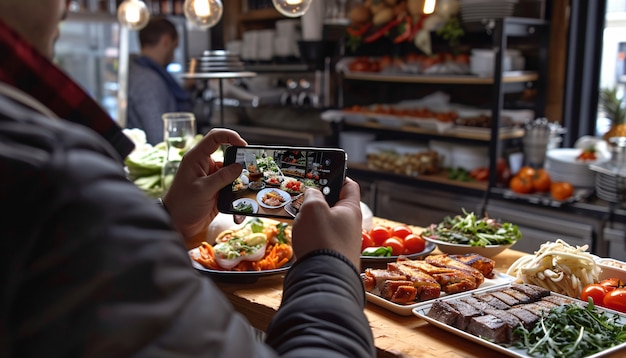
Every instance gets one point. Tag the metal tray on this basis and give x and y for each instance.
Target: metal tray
(421, 311)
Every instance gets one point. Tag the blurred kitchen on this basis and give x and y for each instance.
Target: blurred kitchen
(434, 115)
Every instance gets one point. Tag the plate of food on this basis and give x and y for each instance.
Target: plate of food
(292, 186)
(405, 284)
(369, 261)
(245, 206)
(273, 181)
(271, 198)
(528, 321)
(469, 233)
(293, 207)
(245, 253)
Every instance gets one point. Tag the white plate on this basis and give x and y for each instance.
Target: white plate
(421, 311)
(499, 279)
(282, 193)
(462, 249)
(255, 206)
(568, 156)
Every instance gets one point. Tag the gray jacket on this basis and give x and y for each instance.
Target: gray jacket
(89, 266)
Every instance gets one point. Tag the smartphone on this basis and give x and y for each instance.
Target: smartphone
(274, 178)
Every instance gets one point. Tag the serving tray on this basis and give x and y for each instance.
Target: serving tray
(421, 310)
(499, 279)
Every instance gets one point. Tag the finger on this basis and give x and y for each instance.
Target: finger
(213, 140)
(238, 219)
(221, 178)
(350, 195)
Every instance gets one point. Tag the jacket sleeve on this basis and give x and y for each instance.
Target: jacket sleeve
(321, 314)
(97, 271)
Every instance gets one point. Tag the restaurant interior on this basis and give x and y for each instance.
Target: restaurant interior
(505, 113)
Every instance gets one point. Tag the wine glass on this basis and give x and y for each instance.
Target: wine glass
(179, 130)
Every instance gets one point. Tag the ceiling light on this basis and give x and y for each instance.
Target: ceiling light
(133, 14)
(292, 8)
(429, 6)
(203, 14)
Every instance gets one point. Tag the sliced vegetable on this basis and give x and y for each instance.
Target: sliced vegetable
(377, 251)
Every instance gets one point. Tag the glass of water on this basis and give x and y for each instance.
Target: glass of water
(179, 130)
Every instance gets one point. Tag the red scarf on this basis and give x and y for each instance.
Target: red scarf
(24, 68)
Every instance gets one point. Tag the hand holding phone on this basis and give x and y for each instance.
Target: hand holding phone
(274, 179)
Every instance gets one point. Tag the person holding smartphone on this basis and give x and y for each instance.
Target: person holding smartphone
(90, 266)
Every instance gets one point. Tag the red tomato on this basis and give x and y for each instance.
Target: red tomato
(612, 283)
(379, 234)
(413, 244)
(396, 244)
(596, 292)
(401, 231)
(616, 300)
(366, 240)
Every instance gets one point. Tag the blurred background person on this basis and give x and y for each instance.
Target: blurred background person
(152, 90)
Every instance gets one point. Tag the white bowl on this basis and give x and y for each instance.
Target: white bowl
(462, 249)
(611, 268)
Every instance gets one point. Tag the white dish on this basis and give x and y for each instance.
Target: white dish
(421, 311)
(611, 268)
(255, 206)
(461, 249)
(499, 279)
(569, 155)
(282, 193)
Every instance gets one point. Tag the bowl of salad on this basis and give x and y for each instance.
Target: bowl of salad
(468, 233)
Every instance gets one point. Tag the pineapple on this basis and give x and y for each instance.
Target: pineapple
(615, 110)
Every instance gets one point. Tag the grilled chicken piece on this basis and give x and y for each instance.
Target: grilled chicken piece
(483, 264)
(426, 285)
(448, 262)
(399, 291)
(450, 279)
(374, 279)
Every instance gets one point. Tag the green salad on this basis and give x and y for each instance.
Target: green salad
(468, 229)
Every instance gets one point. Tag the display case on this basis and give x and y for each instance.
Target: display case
(529, 35)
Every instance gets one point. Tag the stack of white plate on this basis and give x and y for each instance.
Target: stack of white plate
(216, 61)
(478, 10)
(482, 61)
(562, 165)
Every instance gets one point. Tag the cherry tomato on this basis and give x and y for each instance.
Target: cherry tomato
(612, 283)
(413, 244)
(616, 300)
(596, 292)
(366, 241)
(380, 233)
(396, 244)
(401, 231)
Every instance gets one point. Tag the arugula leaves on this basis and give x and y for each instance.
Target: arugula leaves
(470, 230)
(572, 331)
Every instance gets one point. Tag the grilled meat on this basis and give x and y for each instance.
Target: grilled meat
(478, 315)
(427, 286)
(451, 280)
(399, 291)
(483, 264)
(448, 262)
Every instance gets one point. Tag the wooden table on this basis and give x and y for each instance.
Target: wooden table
(394, 335)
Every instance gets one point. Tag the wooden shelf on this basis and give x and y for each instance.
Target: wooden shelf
(509, 77)
(261, 15)
(511, 133)
(440, 178)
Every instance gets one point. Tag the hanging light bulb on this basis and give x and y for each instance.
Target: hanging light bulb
(203, 14)
(429, 6)
(133, 14)
(292, 8)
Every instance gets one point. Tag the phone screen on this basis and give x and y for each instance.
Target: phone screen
(274, 179)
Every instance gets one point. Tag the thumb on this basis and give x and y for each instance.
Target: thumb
(223, 177)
